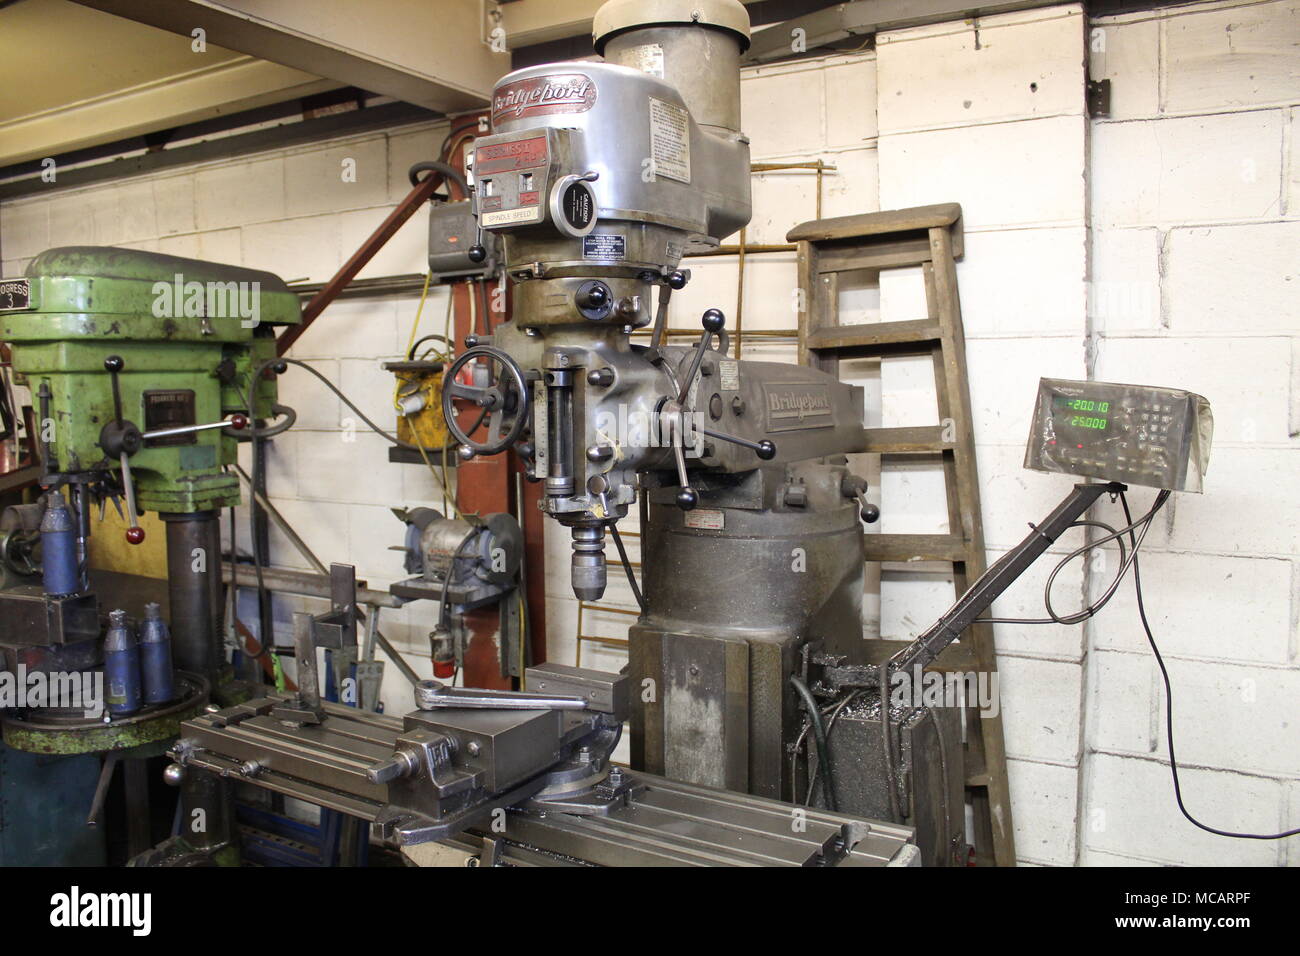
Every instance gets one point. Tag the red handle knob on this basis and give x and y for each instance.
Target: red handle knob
(134, 535)
(238, 422)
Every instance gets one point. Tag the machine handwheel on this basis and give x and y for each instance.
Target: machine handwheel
(504, 397)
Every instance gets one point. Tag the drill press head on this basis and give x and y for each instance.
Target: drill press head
(126, 351)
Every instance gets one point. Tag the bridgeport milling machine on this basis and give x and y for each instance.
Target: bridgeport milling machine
(599, 177)
(134, 360)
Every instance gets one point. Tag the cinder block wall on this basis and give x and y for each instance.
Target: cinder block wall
(1155, 246)
(1196, 208)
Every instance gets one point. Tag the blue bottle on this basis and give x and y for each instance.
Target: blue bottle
(121, 666)
(59, 547)
(156, 657)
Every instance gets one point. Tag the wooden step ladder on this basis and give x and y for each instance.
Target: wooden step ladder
(929, 237)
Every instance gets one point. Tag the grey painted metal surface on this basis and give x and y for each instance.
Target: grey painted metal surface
(734, 591)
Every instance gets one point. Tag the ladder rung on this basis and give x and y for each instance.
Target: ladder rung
(869, 334)
(906, 440)
(617, 641)
(588, 606)
(914, 547)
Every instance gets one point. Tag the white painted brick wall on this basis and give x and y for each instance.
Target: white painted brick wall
(1006, 67)
(1028, 175)
(1293, 169)
(1228, 167)
(1250, 402)
(1191, 210)
(1124, 293)
(1023, 282)
(352, 174)
(239, 194)
(1207, 607)
(1129, 810)
(1127, 53)
(1225, 715)
(1242, 56)
(1252, 506)
(1044, 800)
(1234, 279)
(1040, 709)
(1004, 376)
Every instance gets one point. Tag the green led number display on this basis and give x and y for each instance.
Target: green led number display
(1088, 405)
(1080, 421)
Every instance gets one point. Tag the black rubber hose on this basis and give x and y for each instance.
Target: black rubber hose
(819, 735)
(288, 418)
(447, 171)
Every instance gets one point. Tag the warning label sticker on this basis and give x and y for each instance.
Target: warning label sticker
(704, 520)
(604, 247)
(670, 140)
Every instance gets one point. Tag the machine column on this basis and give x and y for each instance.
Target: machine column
(194, 588)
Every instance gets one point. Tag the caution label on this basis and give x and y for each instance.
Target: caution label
(597, 246)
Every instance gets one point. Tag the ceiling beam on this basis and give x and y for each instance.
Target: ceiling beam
(433, 55)
(866, 17)
(228, 87)
(387, 116)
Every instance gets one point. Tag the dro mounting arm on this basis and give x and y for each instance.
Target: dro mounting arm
(1000, 576)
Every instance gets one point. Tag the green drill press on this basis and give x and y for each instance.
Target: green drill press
(135, 360)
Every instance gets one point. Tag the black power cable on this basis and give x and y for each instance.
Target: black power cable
(819, 736)
(1169, 694)
(627, 565)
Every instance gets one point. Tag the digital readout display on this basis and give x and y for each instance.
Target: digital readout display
(1155, 437)
(1081, 412)
(1082, 404)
